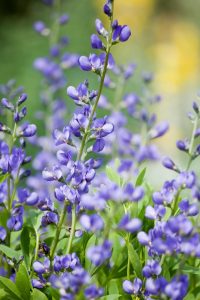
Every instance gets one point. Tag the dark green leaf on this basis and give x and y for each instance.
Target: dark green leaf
(10, 253)
(10, 288)
(189, 269)
(140, 177)
(38, 295)
(135, 260)
(110, 297)
(25, 245)
(23, 282)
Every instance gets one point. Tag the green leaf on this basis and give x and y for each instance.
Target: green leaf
(10, 288)
(25, 245)
(38, 295)
(3, 177)
(117, 253)
(4, 215)
(113, 287)
(140, 177)
(187, 269)
(110, 297)
(166, 273)
(113, 175)
(135, 260)
(54, 293)
(10, 253)
(190, 296)
(4, 295)
(23, 282)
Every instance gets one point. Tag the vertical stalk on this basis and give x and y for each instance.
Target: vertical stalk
(80, 153)
(192, 142)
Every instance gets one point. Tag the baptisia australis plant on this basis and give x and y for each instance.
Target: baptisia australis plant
(53, 111)
(13, 160)
(83, 233)
(172, 241)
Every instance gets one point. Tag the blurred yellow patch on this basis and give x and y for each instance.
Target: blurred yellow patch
(134, 13)
(176, 53)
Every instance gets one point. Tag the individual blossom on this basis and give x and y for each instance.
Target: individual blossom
(130, 225)
(91, 223)
(134, 287)
(99, 254)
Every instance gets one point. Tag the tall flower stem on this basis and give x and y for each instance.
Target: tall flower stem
(195, 126)
(80, 154)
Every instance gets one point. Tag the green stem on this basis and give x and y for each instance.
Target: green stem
(72, 231)
(54, 34)
(192, 142)
(58, 230)
(128, 263)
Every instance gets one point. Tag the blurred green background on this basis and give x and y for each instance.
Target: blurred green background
(165, 39)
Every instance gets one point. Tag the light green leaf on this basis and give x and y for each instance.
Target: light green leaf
(10, 253)
(190, 296)
(110, 297)
(23, 282)
(113, 175)
(140, 177)
(38, 295)
(10, 288)
(135, 260)
(113, 287)
(3, 294)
